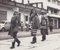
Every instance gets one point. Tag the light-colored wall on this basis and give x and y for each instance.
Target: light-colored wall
(44, 3)
(23, 14)
(9, 13)
(53, 5)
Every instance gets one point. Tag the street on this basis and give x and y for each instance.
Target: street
(4, 35)
(52, 43)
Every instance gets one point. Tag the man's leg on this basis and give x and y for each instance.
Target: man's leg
(13, 44)
(34, 39)
(31, 32)
(43, 35)
(16, 39)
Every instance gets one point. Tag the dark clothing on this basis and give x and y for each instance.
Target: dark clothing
(43, 31)
(15, 37)
(14, 30)
(51, 28)
(43, 37)
(13, 26)
(35, 25)
(44, 28)
(21, 28)
(14, 34)
(34, 40)
(35, 22)
(44, 25)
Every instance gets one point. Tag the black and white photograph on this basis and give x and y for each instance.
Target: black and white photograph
(29, 24)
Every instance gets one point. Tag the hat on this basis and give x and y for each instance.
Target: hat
(15, 12)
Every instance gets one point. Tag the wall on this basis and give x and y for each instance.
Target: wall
(9, 13)
(53, 5)
(23, 14)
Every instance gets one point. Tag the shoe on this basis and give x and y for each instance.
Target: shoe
(18, 43)
(43, 40)
(13, 45)
(33, 42)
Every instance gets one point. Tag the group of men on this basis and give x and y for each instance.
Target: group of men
(34, 20)
(36, 24)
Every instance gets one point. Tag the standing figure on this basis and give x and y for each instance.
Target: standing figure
(21, 26)
(44, 27)
(35, 25)
(14, 29)
(51, 26)
(27, 26)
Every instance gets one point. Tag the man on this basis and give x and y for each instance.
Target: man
(21, 26)
(50, 25)
(14, 29)
(27, 26)
(44, 27)
(35, 25)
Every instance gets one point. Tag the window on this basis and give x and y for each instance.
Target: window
(34, 5)
(55, 11)
(52, 11)
(3, 15)
(39, 5)
(26, 18)
(54, 1)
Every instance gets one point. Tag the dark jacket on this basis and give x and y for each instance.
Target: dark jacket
(43, 23)
(14, 25)
(44, 26)
(35, 22)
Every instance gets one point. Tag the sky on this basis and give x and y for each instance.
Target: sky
(26, 1)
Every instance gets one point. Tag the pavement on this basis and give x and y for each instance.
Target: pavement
(51, 43)
(4, 35)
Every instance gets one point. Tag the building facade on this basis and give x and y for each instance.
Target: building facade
(7, 9)
(53, 8)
